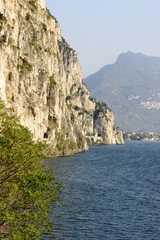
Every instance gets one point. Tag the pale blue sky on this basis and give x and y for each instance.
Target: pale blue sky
(99, 30)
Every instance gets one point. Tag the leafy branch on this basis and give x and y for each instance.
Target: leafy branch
(26, 188)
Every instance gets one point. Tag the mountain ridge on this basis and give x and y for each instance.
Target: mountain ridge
(131, 88)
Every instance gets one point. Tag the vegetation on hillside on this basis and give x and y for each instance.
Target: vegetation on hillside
(26, 188)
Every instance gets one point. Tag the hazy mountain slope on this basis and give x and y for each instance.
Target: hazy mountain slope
(131, 88)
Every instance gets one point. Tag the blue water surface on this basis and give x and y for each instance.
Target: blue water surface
(110, 193)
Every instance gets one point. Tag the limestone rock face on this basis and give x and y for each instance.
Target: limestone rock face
(40, 79)
(42, 3)
(104, 130)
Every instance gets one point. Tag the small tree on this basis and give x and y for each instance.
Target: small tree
(26, 188)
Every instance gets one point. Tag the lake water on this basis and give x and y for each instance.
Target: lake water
(110, 193)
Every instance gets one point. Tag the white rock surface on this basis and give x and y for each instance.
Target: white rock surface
(40, 78)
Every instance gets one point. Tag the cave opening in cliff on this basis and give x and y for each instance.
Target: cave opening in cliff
(45, 135)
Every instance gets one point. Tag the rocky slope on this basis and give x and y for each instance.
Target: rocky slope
(131, 87)
(40, 79)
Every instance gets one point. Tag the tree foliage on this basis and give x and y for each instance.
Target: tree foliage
(26, 188)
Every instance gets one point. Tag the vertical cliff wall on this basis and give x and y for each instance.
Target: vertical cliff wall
(40, 79)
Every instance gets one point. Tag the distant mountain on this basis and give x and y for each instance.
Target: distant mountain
(131, 88)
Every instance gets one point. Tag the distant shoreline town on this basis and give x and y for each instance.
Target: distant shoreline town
(142, 136)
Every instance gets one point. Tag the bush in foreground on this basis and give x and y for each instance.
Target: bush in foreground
(26, 188)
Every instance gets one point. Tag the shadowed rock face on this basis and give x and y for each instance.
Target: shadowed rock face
(40, 79)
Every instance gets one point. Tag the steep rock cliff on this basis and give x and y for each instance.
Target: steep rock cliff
(104, 126)
(40, 79)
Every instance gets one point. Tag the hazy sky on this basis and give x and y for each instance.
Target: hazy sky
(99, 30)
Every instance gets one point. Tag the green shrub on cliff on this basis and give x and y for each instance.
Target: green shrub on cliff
(26, 188)
(3, 18)
(33, 4)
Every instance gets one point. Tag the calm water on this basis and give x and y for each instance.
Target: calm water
(111, 193)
